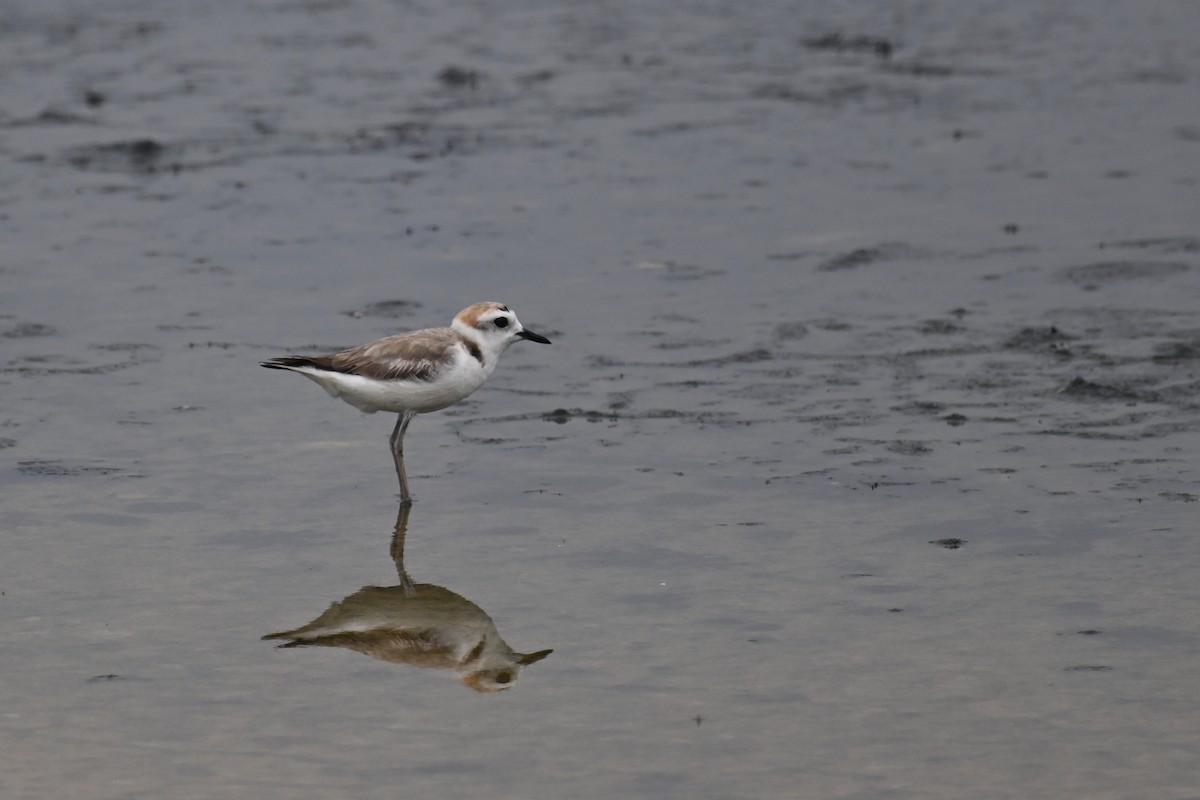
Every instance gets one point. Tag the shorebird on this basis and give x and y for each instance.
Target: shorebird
(417, 372)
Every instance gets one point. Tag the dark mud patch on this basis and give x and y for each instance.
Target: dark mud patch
(112, 677)
(419, 140)
(938, 327)
(126, 347)
(920, 407)
(136, 156)
(34, 367)
(925, 69)
(838, 42)
(1176, 352)
(561, 416)
(1038, 340)
(412, 139)
(911, 448)
(28, 330)
(675, 271)
(59, 469)
(951, 543)
(386, 309)
(1166, 244)
(838, 92)
(745, 357)
(456, 77)
(865, 256)
(790, 331)
(58, 364)
(1082, 389)
(1090, 276)
(51, 117)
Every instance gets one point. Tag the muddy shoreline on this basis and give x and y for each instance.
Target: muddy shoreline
(863, 460)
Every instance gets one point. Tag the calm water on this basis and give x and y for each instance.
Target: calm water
(863, 464)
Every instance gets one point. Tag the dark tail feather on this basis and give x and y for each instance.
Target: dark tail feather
(288, 362)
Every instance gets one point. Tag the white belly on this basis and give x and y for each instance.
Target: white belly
(370, 395)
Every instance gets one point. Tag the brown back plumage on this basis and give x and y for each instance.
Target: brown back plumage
(404, 356)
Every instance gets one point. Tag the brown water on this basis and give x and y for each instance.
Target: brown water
(863, 464)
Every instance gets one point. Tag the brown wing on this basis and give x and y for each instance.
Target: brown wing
(406, 356)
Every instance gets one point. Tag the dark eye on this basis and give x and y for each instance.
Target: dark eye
(502, 322)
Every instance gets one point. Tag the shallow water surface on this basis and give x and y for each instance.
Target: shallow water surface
(863, 464)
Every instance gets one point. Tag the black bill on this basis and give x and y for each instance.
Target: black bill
(533, 337)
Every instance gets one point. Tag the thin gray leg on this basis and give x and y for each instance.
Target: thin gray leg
(397, 443)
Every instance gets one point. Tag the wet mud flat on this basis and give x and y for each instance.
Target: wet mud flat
(863, 463)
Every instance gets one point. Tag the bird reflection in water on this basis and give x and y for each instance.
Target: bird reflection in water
(417, 624)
